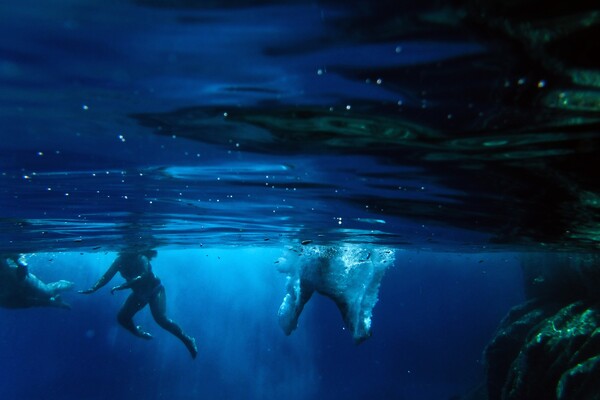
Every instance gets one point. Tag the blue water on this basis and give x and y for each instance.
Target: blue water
(223, 133)
(435, 315)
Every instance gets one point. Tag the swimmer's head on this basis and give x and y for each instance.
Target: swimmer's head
(140, 249)
(150, 253)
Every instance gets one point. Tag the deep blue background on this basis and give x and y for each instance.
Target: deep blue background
(77, 168)
(435, 315)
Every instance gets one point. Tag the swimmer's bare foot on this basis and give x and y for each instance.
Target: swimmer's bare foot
(143, 334)
(190, 343)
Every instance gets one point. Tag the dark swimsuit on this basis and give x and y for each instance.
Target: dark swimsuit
(146, 289)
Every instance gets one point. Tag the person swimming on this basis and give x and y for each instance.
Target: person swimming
(21, 289)
(134, 266)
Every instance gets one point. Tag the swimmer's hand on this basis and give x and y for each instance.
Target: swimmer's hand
(120, 287)
(86, 291)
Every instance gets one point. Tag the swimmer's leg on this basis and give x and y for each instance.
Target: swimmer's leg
(158, 307)
(125, 317)
(299, 293)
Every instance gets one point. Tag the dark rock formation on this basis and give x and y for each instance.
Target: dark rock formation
(549, 347)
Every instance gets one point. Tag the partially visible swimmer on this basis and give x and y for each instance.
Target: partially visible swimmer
(21, 289)
(134, 266)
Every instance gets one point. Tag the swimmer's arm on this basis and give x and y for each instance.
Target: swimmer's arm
(104, 279)
(124, 286)
(129, 284)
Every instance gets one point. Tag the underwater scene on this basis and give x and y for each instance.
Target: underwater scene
(258, 199)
